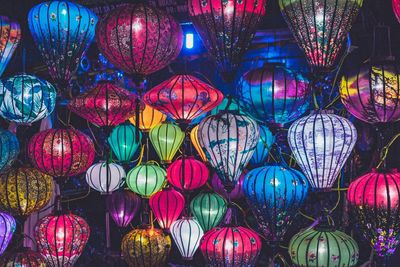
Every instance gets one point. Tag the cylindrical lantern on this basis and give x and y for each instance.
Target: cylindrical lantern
(148, 118)
(195, 141)
(123, 205)
(7, 229)
(321, 143)
(23, 257)
(219, 188)
(124, 140)
(187, 234)
(10, 36)
(187, 173)
(267, 139)
(105, 177)
(146, 179)
(9, 149)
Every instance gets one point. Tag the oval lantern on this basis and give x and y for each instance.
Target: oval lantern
(9, 149)
(123, 206)
(195, 142)
(187, 234)
(267, 139)
(105, 177)
(10, 36)
(235, 194)
(23, 257)
(7, 229)
(148, 118)
(229, 103)
(146, 179)
(187, 173)
(124, 141)
(321, 143)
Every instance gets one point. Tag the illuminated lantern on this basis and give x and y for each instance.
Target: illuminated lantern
(167, 205)
(7, 229)
(226, 28)
(61, 152)
(166, 139)
(187, 233)
(124, 140)
(275, 193)
(61, 238)
(123, 206)
(105, 177)
(228, 103)
(208, 209)
(146, 179)
(195, 141)
(323, 246)
(228, 140)
(236, 193)
(273, 94)
(321, 143)
(24, 257)
(231, 246)
(10, 36)
(183, 97)
(148, 118)
(396, 10)
(320, 27)
(187, 173)
(267, 139)
(9, 149)
(24, 191)
(139, 38)
(26, 99)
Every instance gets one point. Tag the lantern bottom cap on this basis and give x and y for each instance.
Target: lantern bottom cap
(187, 258)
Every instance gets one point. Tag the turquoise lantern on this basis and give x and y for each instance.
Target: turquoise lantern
(267, 139)
(9, 149)
(124, 141)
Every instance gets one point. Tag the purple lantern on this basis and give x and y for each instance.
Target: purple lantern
(7, 228)
(237, 191)
(123, 206)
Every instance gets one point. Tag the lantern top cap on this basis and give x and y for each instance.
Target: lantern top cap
(322, 111)
(375, 170)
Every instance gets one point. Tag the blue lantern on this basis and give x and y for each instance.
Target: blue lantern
(9, 149)
(124, 140)
(267, 139)
(10, 36)
(228, 104)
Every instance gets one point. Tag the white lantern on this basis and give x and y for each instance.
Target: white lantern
(321, 143)
(105, 177)
(187, 234)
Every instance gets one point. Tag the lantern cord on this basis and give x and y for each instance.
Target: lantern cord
(385, 150)
(316, 106)
(95, 140)
(245, 219)
(204, 77)
(333, 102)
(339, 195)
(279, 256)
(307, 217)
(140, 159)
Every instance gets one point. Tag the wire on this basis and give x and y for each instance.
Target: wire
(339, 195)
(78, 198)
(307, 217)
(385, 150)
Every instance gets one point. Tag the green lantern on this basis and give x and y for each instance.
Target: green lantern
(124, 140)
(166, 139)
(209, 209)
(146, 179)
(323, 246)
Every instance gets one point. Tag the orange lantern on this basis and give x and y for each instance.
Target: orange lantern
(148, 118)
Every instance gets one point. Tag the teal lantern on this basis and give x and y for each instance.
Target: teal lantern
(228, 104)
(267, 139)
(146, 179)
(124, 141)
(9, 149)
(209, 209)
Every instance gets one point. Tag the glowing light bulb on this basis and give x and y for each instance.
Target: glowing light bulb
(137, 26)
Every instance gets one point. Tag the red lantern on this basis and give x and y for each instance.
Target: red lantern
(396, 8)
(61, 152)
(183, 97)
(187, 173)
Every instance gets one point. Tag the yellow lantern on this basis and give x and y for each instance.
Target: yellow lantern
(196, 144)
(148, 118)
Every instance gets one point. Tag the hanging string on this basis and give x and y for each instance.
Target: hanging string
(385, 150)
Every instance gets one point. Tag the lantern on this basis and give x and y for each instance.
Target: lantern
(320, 27)
(183, 98)
(166, 139)
(228, 140)
(105, 177)
(236, 193)
(139, 38)
(231, 246)
(228, 103)
(267, 139)
(61, 238)
(396, 10)
(147, 247)
(123, 206)
(10, 36)
(124, 140)
(187, 233)
(195, 142)
(321, 143)
(7, 229)
(167, 205)
(275, 193)
(208, 209)
(148, 118)
(187, 173)
(9, 149)
(24, 257)
(26, 99)
(25, 190)
(323, 246)
(146, 179)
(61, 152)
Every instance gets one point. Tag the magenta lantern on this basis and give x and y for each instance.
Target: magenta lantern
(237, 191)
(187, 173)
(123, 206)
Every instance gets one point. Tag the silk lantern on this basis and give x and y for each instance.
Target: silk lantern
(267, 139)
(124, 141)
(187, 173)
(23, 257)
(10, 36)
(187, 234)
(9, 149)
(146, 179)
(229, 103)
(105, 177)
(396, 10)
(208, 209)
(235, 194)
(7, 229)
(196, 144)
(148, 118)
(123, 206)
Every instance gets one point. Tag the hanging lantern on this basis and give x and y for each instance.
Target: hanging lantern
(236, 193)
(186, 233)
(146, 179)
(123, 206)
(195, 141)
(166, 139)
(273, 94)
(167, 205)
(267, 139)
(208, 209)
(24, 191)
(228, 140)
(231, 246)
(183, 98)
(61, 152)
(26, 99)
(229, 103)
(139, 38)
(10, 36)
(323, 246)
(396, 10)
(124, 140)
(321, 143)
(275, 193)
(61, 238)
(7, 229)
(24, 257)
(9, 149)
(187, 173)
(105, 177)
(148, 118)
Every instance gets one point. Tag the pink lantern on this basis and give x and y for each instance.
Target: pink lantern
(187, 173)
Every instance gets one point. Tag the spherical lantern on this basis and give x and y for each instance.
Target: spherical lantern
(236, 193)
(273, 94)
(275, 193)
(231, 246)
(26, 99)
(208, 209)
(147, 247)
(139, 38)
(167, 205)
(10, 36)
(105, 177)
(187, 173)
(187, 234)
(195, 142)
(61, 152)
(124, 140)
(323, 246)
(166, 139)
(9, 149)
(146, 179)
(24, 191)
(24, 257)
(7, 229)
(321, 143)
(61, 238)
(148, 118)
(123, 206)
(267, 139)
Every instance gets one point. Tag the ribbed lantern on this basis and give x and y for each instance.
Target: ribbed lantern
(7, 229)
(228, 103)
(10, 36)
(9, 149)
(267, 139)
(148, 118)
(123, 206)
(196, 144)
(236, 193)
(61, 152)
(146, 179)
(321, 143)
(105, 177)
(187, 234)
(396, 10)
(187, 173)
(124, 140)
(23, 257)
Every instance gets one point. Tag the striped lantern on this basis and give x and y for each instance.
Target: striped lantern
(23, 257)
(123, 206)
(148, 118)
(195, 142)
(10, 36)
(124, 141)
(9, 149)
(146, 179)
(105, 177)
(187, 173)
(7, 229)
(187, 234)
(267, 139)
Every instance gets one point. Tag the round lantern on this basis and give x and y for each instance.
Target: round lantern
(123, 206)
(146, 179)
(24, 257)
(236, 193)
(273, 94)
(148, 118)
(396, 10)
(228, 103)
(187, 233)
(124, 140)
(147, 247)
(323, 246)
(187, 173)
(61, 152)
(321, 143)
(105, 177)
(26, 99)
(208, 209)
(10, 36)
(231, 246)
(166, 139)
(167, 205)
(139, 38)
(267, 139)
(9, 149)
(25, 190)
(7, 229)
(195, 142)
